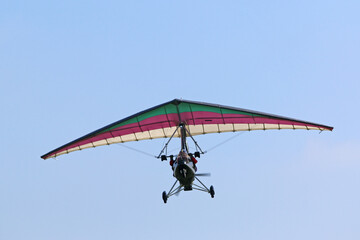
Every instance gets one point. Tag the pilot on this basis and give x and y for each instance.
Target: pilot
(172, 163)
(184, 155)
(193, 159)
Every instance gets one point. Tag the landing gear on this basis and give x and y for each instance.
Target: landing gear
(176, 190)
(204, 188)
(172, 191)
(212, 191)
(164, 196)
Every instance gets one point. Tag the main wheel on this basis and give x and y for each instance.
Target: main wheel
(212, 191)
(164, 196)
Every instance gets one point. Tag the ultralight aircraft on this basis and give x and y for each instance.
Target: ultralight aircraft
(182, 119)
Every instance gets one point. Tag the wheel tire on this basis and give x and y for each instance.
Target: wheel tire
(212, 191)
(164, 196)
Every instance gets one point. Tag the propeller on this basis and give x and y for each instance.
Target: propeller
(202, 174)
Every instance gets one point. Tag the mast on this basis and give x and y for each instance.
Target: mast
(183, 137)
(182, 127)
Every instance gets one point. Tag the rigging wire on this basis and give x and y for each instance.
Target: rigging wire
(163, 144)
(206, 151)
(136, 150)
(225, 141)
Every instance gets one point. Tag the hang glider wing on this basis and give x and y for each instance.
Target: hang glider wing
(200, 118)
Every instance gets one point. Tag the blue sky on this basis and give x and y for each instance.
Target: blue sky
(70, 67)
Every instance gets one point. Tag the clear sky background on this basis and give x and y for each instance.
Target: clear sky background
(70, 67)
